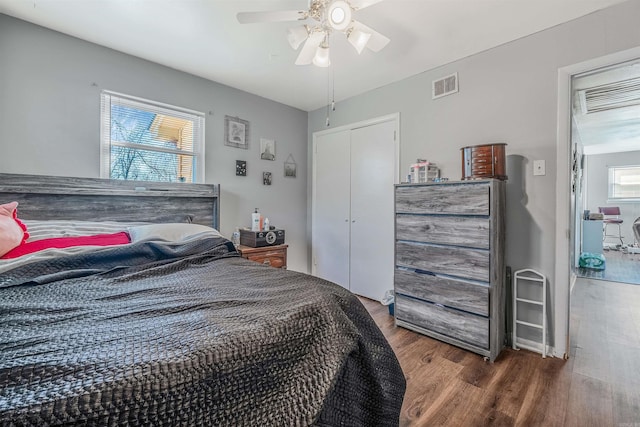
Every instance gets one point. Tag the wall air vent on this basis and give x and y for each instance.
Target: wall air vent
(444, 86)
(610, 96)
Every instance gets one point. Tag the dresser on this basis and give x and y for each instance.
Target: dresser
(449, 262)
(274, 256)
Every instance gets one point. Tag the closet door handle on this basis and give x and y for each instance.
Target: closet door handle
(353, 220)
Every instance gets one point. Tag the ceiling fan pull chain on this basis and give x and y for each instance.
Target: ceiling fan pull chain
(329, 103)
(333, 89)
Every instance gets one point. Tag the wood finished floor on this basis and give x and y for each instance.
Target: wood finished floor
(598, 386)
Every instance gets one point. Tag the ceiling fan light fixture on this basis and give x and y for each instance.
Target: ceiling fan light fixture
(358, 39)
(322, 56)
(330, 16)
(297, 35)
(339, 15)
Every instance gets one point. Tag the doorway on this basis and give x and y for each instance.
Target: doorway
(605, 141)
(605, 112)
(564, 275)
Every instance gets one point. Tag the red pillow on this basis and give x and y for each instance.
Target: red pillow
(12, 231)
(121, 238)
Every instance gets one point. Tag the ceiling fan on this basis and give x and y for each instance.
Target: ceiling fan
(329, 16)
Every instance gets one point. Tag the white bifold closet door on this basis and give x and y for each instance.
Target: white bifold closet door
(331, 223)
(353, 223)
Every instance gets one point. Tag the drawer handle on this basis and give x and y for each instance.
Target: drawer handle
(267, 262)
(438, 305)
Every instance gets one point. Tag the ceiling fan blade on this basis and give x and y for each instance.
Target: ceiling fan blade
(377, 41)
(308, 51)
(361, 4)
(277, 16)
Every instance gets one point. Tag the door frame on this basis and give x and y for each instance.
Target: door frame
(395, 117)
(564, 276)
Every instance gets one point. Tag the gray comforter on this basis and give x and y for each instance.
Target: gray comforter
(158, 334)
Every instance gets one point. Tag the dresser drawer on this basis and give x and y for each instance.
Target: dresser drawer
(459, 325)
(460, 262)
(274, 256)
(483, 152)
(443, 199)
(450, 292)
(273, 260)
(450, 230)
(482, 167)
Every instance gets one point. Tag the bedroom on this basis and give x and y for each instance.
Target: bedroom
(508, 93)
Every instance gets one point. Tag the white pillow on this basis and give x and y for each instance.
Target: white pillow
(48, 229)
(173, 232)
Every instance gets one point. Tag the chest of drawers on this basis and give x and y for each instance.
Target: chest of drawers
(449, 275)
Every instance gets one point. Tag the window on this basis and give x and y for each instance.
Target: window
(143, 140)
(624, 183)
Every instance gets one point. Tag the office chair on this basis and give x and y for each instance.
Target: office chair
(611, 217)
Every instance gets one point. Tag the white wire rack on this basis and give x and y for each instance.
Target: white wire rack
(535, 298)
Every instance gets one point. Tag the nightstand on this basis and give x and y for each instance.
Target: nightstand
(275, 256)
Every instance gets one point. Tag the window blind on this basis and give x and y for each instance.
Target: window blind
(624, 183)
(150, 141)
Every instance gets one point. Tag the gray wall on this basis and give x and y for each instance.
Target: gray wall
(49, 123)
(507, 94)
(597, 191)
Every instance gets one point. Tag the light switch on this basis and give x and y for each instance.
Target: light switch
(539, 167)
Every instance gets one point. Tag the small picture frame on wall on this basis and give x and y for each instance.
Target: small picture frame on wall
(266, 178)
(236, 132)
(290, 167)
(267, 149)
(241, 168)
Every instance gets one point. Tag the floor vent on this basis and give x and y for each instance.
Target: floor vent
(444, 86)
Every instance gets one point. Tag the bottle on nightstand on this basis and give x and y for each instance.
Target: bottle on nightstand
(235, 238)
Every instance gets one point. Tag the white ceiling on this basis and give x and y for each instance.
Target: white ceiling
(203, 37)
(610, 131)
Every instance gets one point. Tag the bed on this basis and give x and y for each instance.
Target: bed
(177, 331)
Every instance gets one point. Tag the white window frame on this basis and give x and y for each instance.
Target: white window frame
(106, 99)
(611, 176)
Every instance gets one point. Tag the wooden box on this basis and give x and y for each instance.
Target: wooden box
(484, 161)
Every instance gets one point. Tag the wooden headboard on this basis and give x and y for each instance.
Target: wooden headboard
(93, 199)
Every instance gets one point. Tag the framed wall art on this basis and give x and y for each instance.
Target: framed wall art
(266, 178)
(290, 167)
(241, 168)
(267, 149)
(236, 132)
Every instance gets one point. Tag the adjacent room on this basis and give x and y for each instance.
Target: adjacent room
(320, 212)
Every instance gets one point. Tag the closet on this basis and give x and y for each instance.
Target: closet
(354, 172)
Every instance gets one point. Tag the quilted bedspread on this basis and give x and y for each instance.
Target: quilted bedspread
(170, 335)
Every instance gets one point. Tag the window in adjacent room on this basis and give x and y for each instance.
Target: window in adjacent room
(624, 183)
(144, 140)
